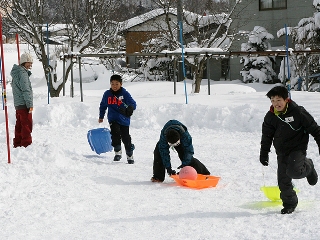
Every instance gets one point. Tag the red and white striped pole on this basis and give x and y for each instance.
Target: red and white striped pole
(4, 91)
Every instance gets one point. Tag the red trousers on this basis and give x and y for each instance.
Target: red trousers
(23, 128)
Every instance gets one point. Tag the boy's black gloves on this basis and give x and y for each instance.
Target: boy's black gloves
(181, 166)
(171, 172)
(264, 158)
(127, 111)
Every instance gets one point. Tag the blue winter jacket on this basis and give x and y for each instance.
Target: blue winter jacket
(21, 87)
(185, 141)
(113, 101)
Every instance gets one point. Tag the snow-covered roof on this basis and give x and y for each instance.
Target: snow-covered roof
(55, 27)
(58, 40)
(190, 17)
(127, 24)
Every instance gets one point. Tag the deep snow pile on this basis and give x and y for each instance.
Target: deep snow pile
(57, 188)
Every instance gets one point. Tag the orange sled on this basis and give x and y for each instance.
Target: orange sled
(202, 181)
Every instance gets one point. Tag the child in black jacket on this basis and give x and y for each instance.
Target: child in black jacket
(288, 125)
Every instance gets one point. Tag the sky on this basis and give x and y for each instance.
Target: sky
(58, 188)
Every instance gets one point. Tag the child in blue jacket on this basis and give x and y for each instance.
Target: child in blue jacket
(120, 107)
(174, 135)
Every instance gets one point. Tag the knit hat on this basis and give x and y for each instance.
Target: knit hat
(172, 136)
(25, 57)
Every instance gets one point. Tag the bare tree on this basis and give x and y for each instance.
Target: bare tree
(27, 18)
(86, 21)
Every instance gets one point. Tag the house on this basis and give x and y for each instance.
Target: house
(144, 3)
(142, 28)
(270, 14)
(147, 26)
(273, 15)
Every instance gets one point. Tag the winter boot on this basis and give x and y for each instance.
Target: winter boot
(130, 159)
(313, 176)
(287, 210)
(118, 153)
(129, 153)
(117, 156)
(154, 179)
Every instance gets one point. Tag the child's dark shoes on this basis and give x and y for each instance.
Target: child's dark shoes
(287, 210)
(313, 177)
(130, 159)
(153, 179)
(118, 154)
(117, 158)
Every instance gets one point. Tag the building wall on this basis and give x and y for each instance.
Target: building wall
(138, 34)
(144, 3)
(214, 71)
(134, 42)
(247, 16)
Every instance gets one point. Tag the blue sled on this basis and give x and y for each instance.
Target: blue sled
(100, 140)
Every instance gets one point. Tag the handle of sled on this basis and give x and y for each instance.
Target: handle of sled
(264, 182)
(263, 173)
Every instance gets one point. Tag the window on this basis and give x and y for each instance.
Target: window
(272, 4)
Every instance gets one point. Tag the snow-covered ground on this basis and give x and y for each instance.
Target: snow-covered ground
(57, 188)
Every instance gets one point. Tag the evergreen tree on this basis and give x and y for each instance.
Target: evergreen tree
(257, 69)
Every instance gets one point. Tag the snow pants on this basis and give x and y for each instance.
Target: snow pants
(293, 166)
(159, 169)
(120, 133)
(23, 128)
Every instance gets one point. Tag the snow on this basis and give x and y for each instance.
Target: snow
(259, 34)
(190, 17)
(57, 188)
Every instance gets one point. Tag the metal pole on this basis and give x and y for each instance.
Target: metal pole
(1, 85)
(208, 76)
(212, 54)
(64, 76)
(229, 69)
(307, 73)
(71, 86)
(179, 38)
(49, 72)
(18, 48)
(179, 17)
(174, 76)
(80, 75)
(183, 66)
(288, 66)
(4, 92)
(284, 71)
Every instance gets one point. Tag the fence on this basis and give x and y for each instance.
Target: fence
(209, 54)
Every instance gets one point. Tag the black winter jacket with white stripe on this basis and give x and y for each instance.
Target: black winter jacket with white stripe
(288, 131)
